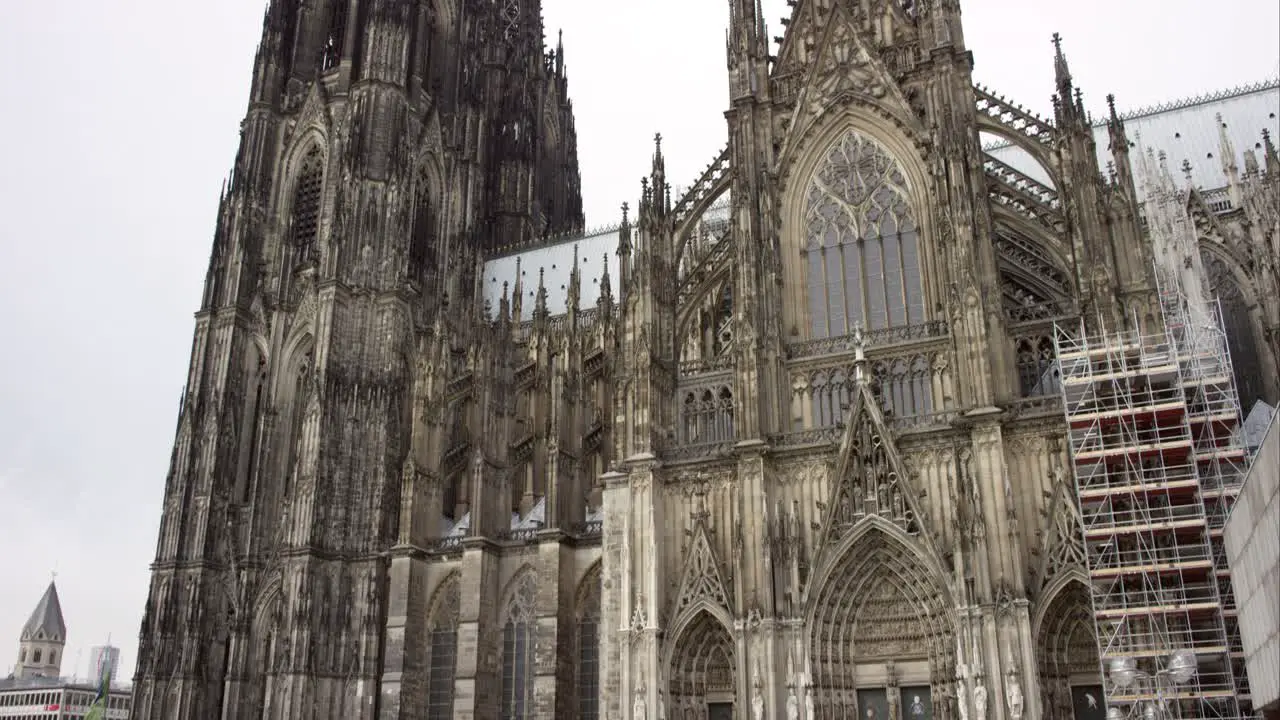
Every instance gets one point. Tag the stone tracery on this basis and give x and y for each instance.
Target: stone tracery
(442, 649)
(862, 251)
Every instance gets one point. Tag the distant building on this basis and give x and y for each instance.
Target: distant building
(41, 698)
(43, 638)
(104, 654)
(36, 691)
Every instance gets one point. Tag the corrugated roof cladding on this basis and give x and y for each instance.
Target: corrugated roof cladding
(1184, 131)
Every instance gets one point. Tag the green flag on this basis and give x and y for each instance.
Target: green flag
(98, 708)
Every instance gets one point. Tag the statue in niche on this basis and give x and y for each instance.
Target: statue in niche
(980, 700)
(793, 705)
(757, 700)
(1013, 693)
(916, 711)
(962, 699)
(638, 708)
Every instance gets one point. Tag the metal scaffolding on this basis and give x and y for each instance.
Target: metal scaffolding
(1154, 430)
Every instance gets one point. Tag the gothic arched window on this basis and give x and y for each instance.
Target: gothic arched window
(517, 649)
(444, 651)
(255, 406)
(1038, 373)
(335, 35)
(422, 266)
(1238, 326)
(588, 675)
(302, 385)
(304, 216)
(862, 245)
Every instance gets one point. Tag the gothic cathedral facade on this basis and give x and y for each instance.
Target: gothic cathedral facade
(792, 448)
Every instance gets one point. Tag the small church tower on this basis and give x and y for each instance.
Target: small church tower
(43, 638)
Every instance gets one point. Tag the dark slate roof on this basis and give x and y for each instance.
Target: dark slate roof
(46, 618)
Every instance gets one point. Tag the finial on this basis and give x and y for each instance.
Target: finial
(657, 140)
(1057, 42)
(625, 208)
(1111, 104)
(1186, 170)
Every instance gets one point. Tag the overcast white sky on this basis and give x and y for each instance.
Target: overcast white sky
(120, 119)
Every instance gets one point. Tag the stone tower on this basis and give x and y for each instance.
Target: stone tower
(786, 444)
(387, 144)
(43, 638)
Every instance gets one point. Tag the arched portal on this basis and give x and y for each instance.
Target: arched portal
(703, 671)
(879, 607)
(1067, 652)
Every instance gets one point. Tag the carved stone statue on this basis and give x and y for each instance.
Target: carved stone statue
(809, 714)
(962, 699)
(638, 708)
(757, 700)
(980, 700)
(1013, 693)
(793, 705)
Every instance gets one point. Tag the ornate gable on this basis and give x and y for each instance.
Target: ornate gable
(870, 478)
(844, 70)
(1063, 547)
(701, 580)
(313, 113)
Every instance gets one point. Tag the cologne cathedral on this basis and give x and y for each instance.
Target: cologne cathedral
(786, 443)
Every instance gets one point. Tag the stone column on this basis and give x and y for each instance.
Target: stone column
(479, 658)
(405, 644)
(614, 600)
(554, 632)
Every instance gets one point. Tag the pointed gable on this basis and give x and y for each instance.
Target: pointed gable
(46, 621)
(843, 68)
(701, 580)
(870, 478)
(1063, 547)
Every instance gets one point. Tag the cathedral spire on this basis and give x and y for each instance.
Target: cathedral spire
(746, 48)
(1068, 102)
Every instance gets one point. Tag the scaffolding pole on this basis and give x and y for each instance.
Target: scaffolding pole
(1153, 425)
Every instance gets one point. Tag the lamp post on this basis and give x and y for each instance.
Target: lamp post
(1179, 667)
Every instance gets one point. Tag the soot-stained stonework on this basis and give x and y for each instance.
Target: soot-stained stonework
(772, 445)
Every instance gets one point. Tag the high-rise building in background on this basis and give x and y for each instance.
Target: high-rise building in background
(792, 438)
(104, 657)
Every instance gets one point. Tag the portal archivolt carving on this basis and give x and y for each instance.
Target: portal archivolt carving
(1066, 650)
(702, 668)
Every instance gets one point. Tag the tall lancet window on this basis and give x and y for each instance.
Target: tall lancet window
(422, 265)
(444, 650)
(862, 248)
(588, 674)
(255, 406)
(304, 216)
(335, 35)
(517, 648)
(1238, 326)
